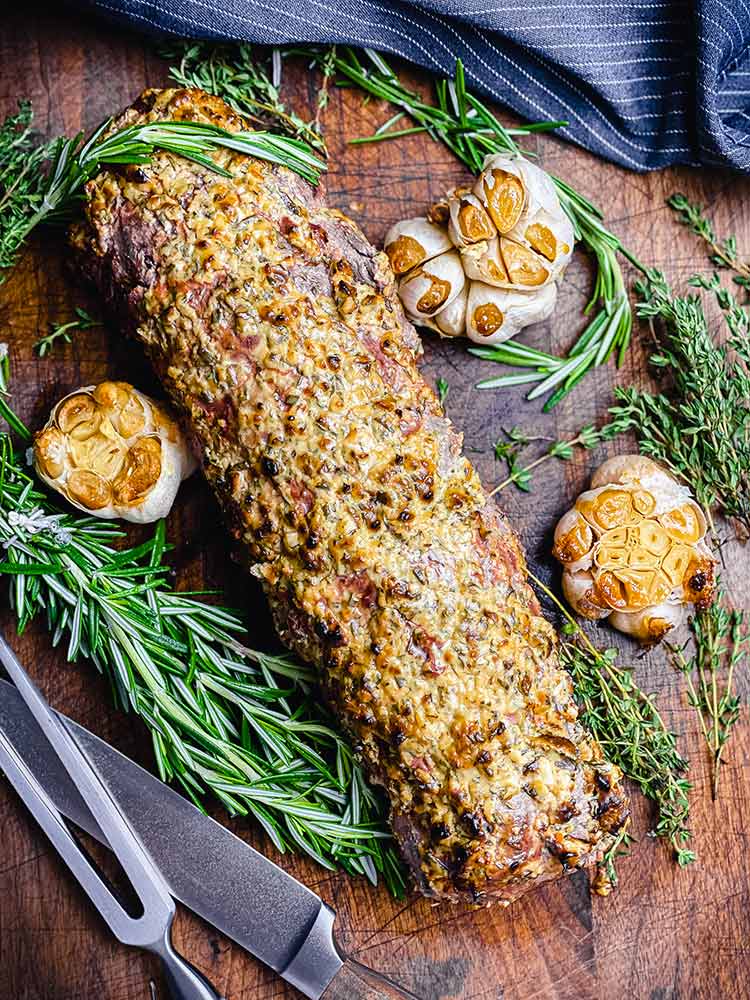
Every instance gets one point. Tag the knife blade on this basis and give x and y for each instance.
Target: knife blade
(214, 873)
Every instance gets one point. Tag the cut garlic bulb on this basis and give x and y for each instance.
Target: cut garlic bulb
(414, 241)
(633, 549)
(469, 221)
(497, 314)
(451, 321)
(432, 286)
(513, 236)
(113, 452)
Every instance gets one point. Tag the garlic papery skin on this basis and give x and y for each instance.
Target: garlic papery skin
(451, 321)
(651, 624)
(633, 549)
(497, 314)
(431, 286)
(414, 241)
(111, 451)
(469, 221)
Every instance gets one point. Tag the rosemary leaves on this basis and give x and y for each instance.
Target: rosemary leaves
(225, 720)
(22, 182)
(29, 197)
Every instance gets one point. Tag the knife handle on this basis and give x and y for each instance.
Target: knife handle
(184, 981)
(356, 982)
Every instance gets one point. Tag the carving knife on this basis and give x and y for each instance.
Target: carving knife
(214, 873)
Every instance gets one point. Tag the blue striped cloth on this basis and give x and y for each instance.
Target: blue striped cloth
(645, 83)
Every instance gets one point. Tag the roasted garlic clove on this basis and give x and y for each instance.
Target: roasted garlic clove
(432, 286)
(640, 471)
(497, 314)
(483, 262)
(414, 241)
(502, 189)
(469, 221)
(633, 549)
(112, 451)
(580, 592)
(524, 267)
(451, 321)
(651, 624)
(573, 541)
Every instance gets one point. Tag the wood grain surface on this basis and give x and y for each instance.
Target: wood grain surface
(666, 933)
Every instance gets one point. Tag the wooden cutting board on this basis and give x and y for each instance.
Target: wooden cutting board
(665, 933)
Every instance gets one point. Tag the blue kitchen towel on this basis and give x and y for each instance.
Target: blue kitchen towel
(645, 83)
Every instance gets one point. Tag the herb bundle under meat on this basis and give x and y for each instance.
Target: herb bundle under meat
(226, 720)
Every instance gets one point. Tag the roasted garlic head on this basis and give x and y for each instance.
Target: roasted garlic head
(113, 452)
(513, 240)
(634, 550)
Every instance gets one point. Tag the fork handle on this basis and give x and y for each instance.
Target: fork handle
(185, 982)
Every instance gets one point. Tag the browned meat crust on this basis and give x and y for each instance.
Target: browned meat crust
(277, 332)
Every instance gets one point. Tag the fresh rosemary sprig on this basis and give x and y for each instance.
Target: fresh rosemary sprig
(470, 130)
(63, 331)
(630, 729)
(720, 645)
(242, 79)
(723, 253)
(22, 182)
(224, 719)
(75, 161)
(521, 475)
(701, 429)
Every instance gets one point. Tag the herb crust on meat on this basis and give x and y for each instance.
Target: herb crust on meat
(277, 332)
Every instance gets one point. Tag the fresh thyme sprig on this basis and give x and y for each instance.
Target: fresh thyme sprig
(470, 130)
(627, 723)
(75, 161)
(63, 331)
(723, 252)
(720, 645)
(521, 475)
(224, 719)
(701, 429)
